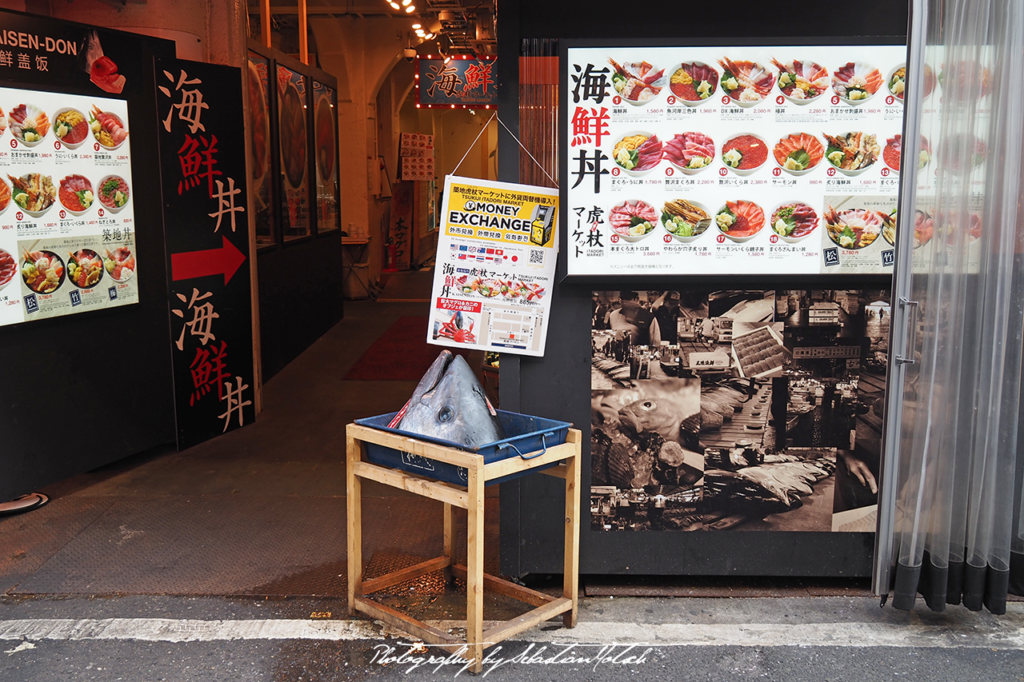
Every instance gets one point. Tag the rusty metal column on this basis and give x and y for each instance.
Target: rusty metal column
(265, 21)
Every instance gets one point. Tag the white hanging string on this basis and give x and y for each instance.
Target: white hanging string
(521, 146)
(483, 129)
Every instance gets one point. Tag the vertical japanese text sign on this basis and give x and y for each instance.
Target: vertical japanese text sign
(202, 152)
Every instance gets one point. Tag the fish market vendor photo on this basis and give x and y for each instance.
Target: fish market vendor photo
(633, 318)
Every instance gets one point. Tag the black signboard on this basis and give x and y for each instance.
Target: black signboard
(77, 57)
(202, 151)
(462, 81)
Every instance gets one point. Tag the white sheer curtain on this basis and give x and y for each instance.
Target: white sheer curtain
(957, 512)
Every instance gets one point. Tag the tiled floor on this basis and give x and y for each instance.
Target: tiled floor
(258, 511)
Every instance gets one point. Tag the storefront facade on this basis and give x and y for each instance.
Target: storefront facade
(700, 540)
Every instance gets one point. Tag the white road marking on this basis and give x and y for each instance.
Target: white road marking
(1005, 633)
(24, 646)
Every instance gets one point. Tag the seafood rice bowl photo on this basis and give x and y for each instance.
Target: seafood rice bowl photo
(744, 153)
(801, 81)
(793, 221)
(119, 264)
(85, 268)
(924, 228)
(43, 271)
(690, 152)
(113, 193)
(854, 228)
(632, 220)
(5, 195)
(740, 221)
(893, 150)
(799, 153)
(896, 81)
(8, 268)
(852, 153)
(107, 128)
(685, 220)
(29, 124)
(637, 82)
(70, 127)
(856, 82)
(693, 83)
(746, 83)
(34, 193)
(75, 194)
(637, 153)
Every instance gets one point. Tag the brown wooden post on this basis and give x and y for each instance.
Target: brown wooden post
(475, 566)
(355, 523)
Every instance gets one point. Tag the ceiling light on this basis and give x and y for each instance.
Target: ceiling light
(420, 32)
(429, 36)
(394, 5)
(417, 25)
(410, 9)
(405, 3)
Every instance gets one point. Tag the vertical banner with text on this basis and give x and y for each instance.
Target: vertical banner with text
(202, 151)
(495, 266)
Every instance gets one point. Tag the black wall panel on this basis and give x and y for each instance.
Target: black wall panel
(558, 385)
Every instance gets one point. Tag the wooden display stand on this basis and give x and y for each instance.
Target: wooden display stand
(470, 498)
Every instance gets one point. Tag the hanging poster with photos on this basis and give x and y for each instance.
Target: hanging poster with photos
(67, 218)
(733, 160)
(292, 134)
(258, 85)
(327, 189)
(756, 410)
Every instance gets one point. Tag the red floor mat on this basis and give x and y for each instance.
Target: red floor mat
(400, 354)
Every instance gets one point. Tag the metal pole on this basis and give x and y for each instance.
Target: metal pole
(900, 333)
(303, 34)
(265, 21)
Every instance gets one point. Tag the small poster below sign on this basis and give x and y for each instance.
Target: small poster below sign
(417, 168)
(495, 266)
(416, 144)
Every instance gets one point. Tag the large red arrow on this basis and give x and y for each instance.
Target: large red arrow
(191, 264)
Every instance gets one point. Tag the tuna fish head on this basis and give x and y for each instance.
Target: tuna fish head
(450, 404)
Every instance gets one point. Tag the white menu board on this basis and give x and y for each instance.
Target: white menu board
(67, 228)
(738, 160)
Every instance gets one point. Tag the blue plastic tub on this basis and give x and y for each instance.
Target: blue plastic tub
(524, 435)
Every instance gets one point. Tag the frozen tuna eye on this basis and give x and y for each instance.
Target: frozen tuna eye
(649, 405)
(445, 414)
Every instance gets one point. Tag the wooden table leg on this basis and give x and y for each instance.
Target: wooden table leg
(570, 581)
(475, 567)
(355, 524)
(448, 531)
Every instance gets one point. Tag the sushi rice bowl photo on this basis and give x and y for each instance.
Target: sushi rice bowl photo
(637, 153)
(745, 153)
(793, 221)
(632, 220)
(740, 221)
(71, 127)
